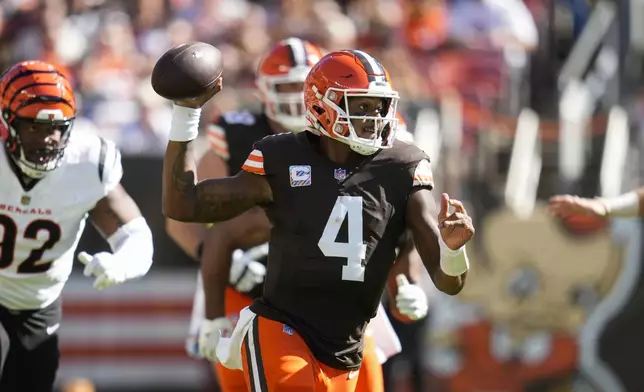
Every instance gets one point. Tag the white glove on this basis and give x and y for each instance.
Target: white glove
(104, 267)
(245, 271)
(411, 300)
(209, 334)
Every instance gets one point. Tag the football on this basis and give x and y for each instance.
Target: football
(187, 71)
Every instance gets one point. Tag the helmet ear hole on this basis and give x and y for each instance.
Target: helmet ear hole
(318, 110)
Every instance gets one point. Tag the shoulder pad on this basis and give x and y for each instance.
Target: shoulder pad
(102, 156)
(403, 151)
(265, 150)
(269, 141)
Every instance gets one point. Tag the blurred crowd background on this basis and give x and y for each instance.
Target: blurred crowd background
(473, 76)
(110, 47)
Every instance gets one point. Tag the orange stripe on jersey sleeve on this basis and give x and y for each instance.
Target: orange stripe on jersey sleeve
(255, 163)
(217, 140)
(423, 174)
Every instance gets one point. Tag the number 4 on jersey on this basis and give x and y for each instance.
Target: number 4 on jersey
(349, 207)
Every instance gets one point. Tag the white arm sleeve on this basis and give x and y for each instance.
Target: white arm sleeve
(133, 247)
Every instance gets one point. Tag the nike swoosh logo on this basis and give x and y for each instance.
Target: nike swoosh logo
(53, 328)
(352, 374)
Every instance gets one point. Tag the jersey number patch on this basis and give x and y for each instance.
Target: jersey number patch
(354, 250)
(10, 237)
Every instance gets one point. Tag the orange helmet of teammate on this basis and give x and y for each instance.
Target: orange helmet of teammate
(37, 112)
(333, 82)
(280, 77)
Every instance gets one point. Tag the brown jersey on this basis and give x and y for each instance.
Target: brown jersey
(232, 138)
(334, 238)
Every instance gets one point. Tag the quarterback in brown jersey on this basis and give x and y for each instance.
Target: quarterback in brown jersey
(338, 197)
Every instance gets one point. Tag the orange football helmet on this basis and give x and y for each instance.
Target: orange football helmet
(37, 112)
(280, 77)
(339, 76)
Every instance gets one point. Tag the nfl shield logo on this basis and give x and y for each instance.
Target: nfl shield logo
(340, 174)
(288, 330)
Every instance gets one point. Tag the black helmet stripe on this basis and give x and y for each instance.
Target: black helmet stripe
(297, 52)
(22, 74)
(375, 71)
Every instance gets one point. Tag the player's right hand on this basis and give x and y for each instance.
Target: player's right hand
(564, 206)
(201, 100)
(209, 334)
(104, 267)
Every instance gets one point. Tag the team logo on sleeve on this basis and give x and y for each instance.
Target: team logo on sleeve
(300, 175)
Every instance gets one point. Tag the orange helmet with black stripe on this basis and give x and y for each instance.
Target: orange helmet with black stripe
(280, 77)
(37, 112)
(337, 81)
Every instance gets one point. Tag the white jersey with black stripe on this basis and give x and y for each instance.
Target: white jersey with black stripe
(40, 227)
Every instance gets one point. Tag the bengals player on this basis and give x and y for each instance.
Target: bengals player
(52, 179)
(338, 197)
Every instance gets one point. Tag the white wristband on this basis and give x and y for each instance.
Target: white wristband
(453, 262)
(185, 123)
(625, 205)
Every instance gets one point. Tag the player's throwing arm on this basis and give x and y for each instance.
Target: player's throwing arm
(189, 75)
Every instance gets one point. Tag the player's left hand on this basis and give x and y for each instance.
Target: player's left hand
(411, 300)
(103, 266)
(456, 228)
